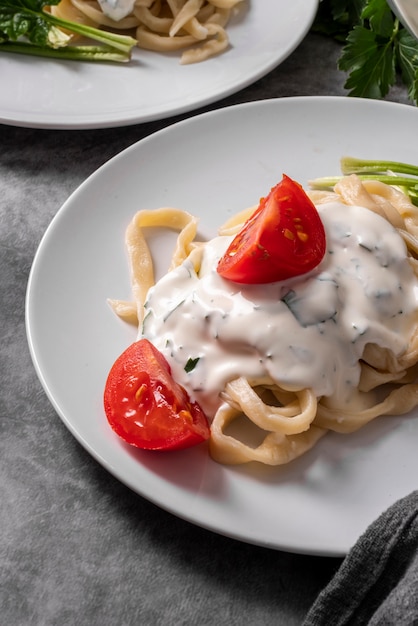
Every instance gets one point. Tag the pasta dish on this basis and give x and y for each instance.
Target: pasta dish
(195, 27)
(276, 366)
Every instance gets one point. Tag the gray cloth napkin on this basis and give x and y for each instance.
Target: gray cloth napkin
(377, 583)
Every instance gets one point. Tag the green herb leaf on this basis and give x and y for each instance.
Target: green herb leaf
(379, 17)
(377, 48)
(191, 364)
(407, 57)
(336, 18)
(370, 63)
(25, 18)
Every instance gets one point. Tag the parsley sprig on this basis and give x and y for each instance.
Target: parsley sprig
(26, 27)
(377, 48)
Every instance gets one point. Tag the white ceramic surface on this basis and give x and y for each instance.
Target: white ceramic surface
(407, 12)
(319, 504)
(44, 93)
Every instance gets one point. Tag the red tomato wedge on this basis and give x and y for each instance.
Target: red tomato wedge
(146, 407)
(283, 238)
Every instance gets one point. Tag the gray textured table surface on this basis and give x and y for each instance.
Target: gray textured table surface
(76, 546)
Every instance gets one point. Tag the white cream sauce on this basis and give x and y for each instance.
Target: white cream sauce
(117, 9)
(309, 332)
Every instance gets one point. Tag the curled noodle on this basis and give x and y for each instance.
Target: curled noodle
(287, 428)
(140, 259)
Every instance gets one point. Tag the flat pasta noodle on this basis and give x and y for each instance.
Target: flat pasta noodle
(125, 309)
(68, 10)
(140, 259)
(288, 430)
(390, 203)
(398, 402)
(371, 378)
(290, 422)
(196, 27)
(275, 449)
(160, 43)
(293, 418)
(186, 18)
(216, 42)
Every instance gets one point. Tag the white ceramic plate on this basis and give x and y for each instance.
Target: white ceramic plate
(319, 504)
(60, 94)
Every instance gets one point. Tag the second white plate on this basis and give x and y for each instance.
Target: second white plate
(44, 93)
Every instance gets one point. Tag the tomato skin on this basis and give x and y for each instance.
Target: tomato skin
(283, 238)
(146, 407)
